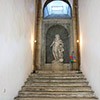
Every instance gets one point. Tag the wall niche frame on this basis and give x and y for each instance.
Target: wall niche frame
(46, 25)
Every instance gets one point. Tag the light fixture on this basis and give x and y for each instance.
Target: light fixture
(78, 41)
(35, 41)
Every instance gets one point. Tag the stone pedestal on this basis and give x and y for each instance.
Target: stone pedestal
(57, 66)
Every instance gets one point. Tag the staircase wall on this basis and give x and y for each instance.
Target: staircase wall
(16, 45)
(89, 16)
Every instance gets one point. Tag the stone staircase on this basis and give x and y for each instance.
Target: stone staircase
(62, 85)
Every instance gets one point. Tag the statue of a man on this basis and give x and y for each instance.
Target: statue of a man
(57, 48)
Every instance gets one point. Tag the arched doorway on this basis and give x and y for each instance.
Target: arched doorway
(57, 9)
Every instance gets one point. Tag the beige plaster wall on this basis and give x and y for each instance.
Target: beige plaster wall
(89, 16)
(16, 45)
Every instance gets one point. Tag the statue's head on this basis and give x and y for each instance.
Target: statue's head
(57, 36)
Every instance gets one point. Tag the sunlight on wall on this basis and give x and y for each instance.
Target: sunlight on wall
(32, 39)
(81, 44)
(32, 42)
(32, 47)
(81, 41)
(90, 42)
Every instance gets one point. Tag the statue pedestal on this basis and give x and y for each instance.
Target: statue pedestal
(57, 66)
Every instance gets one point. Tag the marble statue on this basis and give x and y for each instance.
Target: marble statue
(57, 48)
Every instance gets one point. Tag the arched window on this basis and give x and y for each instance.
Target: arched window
(57, 9)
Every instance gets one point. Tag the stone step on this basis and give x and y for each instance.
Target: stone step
(55, 88)
(77, 98)
(58, 72)
(83, 93)
(56, 84)
(65, 75)
(62, 85)
(55, 77)
(57, 95)
(57, 80)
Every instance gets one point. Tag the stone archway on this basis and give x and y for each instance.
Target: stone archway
(43, 26)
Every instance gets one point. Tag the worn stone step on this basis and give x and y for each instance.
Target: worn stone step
(83, 93)
(55, 77)
(58, 72)
(55, 88)
(56, 84)
(29, 98)
(67, 76)
(62, 85)
(57, 95)
(57, 80)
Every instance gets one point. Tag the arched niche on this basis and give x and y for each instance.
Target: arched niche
(57, 9)
(64, 35)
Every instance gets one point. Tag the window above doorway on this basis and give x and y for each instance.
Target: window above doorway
(57, 9)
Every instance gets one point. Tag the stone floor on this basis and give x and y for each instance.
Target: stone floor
(62, 85)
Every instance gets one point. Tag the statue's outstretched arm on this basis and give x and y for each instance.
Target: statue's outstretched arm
(52, 44)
